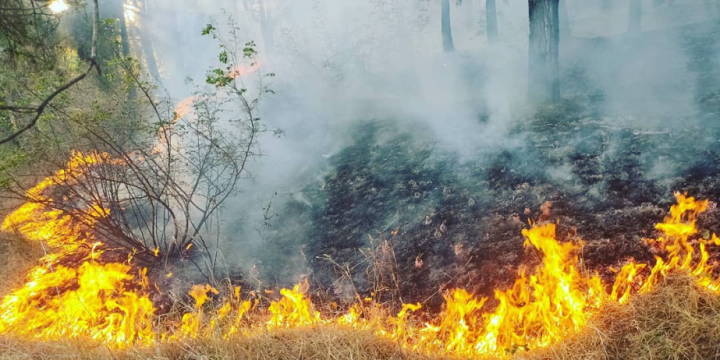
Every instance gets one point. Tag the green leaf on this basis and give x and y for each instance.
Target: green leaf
(209, 28)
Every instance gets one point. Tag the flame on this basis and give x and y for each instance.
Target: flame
(294, 309)
(545, 305)
(109, 302)
(104, 302)
(184, 108)
(240, 70)
(58, 6)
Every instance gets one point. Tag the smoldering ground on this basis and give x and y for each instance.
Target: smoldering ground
(387, 137)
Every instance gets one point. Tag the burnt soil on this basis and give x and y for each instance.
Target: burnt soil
(456, 222)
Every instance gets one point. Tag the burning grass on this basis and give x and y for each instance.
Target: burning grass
(677, 320)
(79, 296)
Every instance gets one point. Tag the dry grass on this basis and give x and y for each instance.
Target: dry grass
(312, 343)
(677, 321)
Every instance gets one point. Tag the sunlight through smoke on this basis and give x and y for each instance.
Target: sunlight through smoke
(58, 6)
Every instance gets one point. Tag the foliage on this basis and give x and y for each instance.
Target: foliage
(45, 66)
(27, 29)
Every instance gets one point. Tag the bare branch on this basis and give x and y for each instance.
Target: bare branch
(41, 108)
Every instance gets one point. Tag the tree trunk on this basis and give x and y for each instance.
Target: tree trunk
(266, 28)
(491, 20)
(544, 51)
(146, 42)
(635, 16)
(448, 45)
(124, 40)
(564, 19)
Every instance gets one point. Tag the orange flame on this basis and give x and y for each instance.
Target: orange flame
(107, 303)
(244, 69)
(98, 301)
(545, 305)
(184, 108)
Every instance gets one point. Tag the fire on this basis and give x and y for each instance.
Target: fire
(243, 69)
(185, 107)
(75, 293)
(293, 310)
(104, 302)
(545, 305)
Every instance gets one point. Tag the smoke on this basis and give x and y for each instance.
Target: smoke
(339, 64)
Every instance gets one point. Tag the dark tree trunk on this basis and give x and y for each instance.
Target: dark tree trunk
(544, 51)
(491, 20)
(448, 45)
(564, 19)
(635, 16)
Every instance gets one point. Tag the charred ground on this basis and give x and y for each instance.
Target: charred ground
(449, 221)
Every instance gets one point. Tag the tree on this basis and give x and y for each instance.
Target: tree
(26, 28)
(543, 52)
(36, 111)
(146, 42)
(635, 16)
(448, 45)
(491, 20)
(115, 10)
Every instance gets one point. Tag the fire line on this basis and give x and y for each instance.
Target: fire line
(76, 293)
